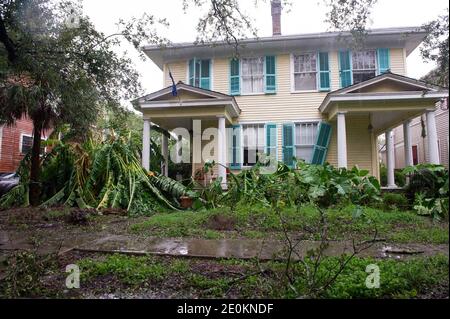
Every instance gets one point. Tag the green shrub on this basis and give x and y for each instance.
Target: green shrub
(395, 201)
(22, 277)
(399, 176)
(427, 179)
(428, 190)
(398, 279)
(323, 185)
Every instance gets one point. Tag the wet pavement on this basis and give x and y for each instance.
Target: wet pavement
(206, 248)
(248, 248)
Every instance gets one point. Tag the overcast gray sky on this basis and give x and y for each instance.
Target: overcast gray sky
(305, 16)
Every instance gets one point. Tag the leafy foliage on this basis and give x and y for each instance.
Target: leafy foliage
(428, 189)
(399, 176)
(102, 174)
(320, 184)
(435, 48)
(350, 15)
(395, 201)
(23, 274)
(57, 69)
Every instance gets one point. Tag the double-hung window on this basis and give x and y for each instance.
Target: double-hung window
(253, 143)
(305, 72)
(305, 138)
(252, 75)
(200, 73)
(364, 65)
(26, 143)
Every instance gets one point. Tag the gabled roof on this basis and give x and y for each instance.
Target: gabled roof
(203, 97)
(184, 87)
(420, 85)
(409, 88)
(405, 37)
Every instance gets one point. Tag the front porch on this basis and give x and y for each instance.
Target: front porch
(388, 101)
(197, 120)
(357, 115)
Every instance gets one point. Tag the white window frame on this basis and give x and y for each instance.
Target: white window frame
(29, 135)
(293, 90)
(211, 72)
(240, 76)
(242, 141)
(312, 121)
(352, 65)
(21, 142)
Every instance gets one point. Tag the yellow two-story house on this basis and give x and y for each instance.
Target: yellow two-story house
(309, 96)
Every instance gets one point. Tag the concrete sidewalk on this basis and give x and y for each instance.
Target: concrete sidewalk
(247, 248)
(207, 248)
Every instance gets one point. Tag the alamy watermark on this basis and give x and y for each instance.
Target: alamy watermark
(73, 279)
(373, 279)
(239, 147)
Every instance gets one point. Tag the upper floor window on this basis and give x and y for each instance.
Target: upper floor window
(364, 65)
(200, 73)
(305, 72)
(253, 75)
(310, 72)
(356, 67)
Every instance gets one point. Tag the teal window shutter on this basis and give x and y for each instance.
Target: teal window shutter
(235, 80)
(271, 140)
(324, 72)
(288, 144)
(235, 147)
(321, 147)
(205, 74)
(345, 68)
(383, 59)
(270, 75)
(191, 72)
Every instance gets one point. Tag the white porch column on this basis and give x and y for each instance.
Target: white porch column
(407, 143)
(341, 140)
(146, 145)
(389, 136)
(433, 149)
(221, 151)
(165, 154)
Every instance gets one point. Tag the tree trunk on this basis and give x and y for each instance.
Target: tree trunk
(35, 171)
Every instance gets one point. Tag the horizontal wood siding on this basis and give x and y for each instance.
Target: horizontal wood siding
(285, 106)
(398, 61)
(179, 72)
(359, 143)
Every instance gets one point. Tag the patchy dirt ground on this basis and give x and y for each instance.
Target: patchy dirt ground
(49, 231)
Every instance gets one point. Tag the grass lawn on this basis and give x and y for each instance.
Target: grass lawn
(124, 276)
(257, 222)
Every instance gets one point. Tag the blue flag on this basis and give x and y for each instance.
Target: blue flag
(174, 86)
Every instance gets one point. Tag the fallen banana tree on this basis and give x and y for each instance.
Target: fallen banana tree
(99, 175)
